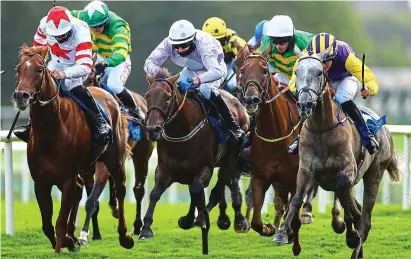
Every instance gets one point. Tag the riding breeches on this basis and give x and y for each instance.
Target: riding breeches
(282, 80)
(117, 76)
(345, 89)
(205, 88)
(70, 83)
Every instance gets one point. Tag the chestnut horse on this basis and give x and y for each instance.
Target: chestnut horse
(276, 122)
(59, 142)
(281, 199)
(140, 153)
(188, 151)
(332, 156)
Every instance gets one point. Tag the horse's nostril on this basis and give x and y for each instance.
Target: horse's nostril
(310, 105)
(256, 100)
(26, 95)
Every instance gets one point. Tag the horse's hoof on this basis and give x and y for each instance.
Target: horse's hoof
(126, 241)
(241, 226)
(146, 234)
(223, 222)
(268, 230)
(82, 240)
(338, 227)
(97, 237)
(185, 222)
(70, 244)
(296, 249)
(135, 232)
(306, 218)
(353, 240)
(281, 238)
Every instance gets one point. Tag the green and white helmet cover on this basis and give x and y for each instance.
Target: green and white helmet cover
(95, 13)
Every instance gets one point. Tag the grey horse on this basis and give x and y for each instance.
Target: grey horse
(331, 156)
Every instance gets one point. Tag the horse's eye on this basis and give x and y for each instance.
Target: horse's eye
(265, 72)
(319, 73)
(40, 70)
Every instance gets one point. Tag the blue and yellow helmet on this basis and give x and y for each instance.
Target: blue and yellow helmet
(321, 42)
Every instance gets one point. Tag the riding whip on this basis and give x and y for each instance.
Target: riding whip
(13, 125)
(362, 73)
(226, 81)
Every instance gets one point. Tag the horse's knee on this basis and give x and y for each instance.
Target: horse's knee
(196, 187)
(155, 195)
(139, 192)
(91, 205)
(297, 202)
(120, 191)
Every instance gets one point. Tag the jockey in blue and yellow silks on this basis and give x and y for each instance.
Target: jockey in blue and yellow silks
(344, 75)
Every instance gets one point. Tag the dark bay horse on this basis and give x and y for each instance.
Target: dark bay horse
(140, 153)
(188, 151)
(331, 153)
(59, 143)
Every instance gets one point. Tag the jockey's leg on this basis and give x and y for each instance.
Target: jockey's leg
(231, 85)
(117, 78)
(101, 130)
(293, 146)
(282, 80)
(345, 92)
(23, 132)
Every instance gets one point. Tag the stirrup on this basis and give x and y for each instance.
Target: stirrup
(293, 146)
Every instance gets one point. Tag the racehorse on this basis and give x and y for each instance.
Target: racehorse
(59, 144)
(331, 155)
(281, 194)
(140, 153)
(188, 151)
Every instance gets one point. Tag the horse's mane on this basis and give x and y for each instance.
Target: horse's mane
(162, 73)
(25, 50)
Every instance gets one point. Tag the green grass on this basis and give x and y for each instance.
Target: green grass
(390, 237)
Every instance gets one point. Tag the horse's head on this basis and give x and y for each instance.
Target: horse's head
(255, 78)
(310, 81)
(31, 75)
(160, 96)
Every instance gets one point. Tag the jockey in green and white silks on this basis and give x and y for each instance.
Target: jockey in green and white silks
(110, 35)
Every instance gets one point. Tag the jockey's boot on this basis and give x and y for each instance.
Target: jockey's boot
(223, 109)
(293, 146)
(367, 138)
(23, 132)
(102, 132)
(249, 137)
(128, 101)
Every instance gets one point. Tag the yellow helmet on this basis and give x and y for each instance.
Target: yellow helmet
(321, 42)
(216, 27)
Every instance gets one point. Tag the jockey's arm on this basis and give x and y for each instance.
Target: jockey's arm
(354, 66)
(40, 38)
(119, 45)
(210, 62)
(157, 58)
(83, 62)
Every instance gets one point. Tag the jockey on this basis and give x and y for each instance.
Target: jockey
(259, 31)
(202, 59)
(344, 75)
(282, 37)
(111, 41)
(230, 42)
(69, 42)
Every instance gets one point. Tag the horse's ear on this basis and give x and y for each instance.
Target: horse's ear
(324, 54)
(174, 78)
(149, 78)
(94, 58)
(266, 52)
(43, 51)
(298, 52)
(246, 51)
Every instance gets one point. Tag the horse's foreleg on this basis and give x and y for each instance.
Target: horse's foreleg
(68, 190)
(73, 213)
(223, 221)
(280, 204)
(240, 223)
(306, 215)
(112, 202)
(249, 200)
(259, 187)
(337, 222)
(162, 183)
(45, 202)
(92, 204)
(304, 183)
(140, 172)
(186, 222)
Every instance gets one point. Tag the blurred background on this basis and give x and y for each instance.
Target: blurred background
(379, 29)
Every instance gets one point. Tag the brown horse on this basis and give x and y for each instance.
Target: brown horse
(281, 194)
(59, 143)
(140, 153)
(276, 119)
(332, 156)
(188, 151)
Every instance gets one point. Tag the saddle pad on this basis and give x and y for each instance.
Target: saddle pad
(374, 123)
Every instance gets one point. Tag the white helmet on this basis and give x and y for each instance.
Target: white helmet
(280, 26)
(58, 21)
(181, 31)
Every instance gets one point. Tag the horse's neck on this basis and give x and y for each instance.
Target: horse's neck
(274, 118)
(44, 117)
(325, 115)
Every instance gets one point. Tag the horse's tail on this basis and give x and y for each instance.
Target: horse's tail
(393, 169)
(124, 127)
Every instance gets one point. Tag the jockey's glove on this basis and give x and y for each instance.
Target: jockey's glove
(100, 67)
